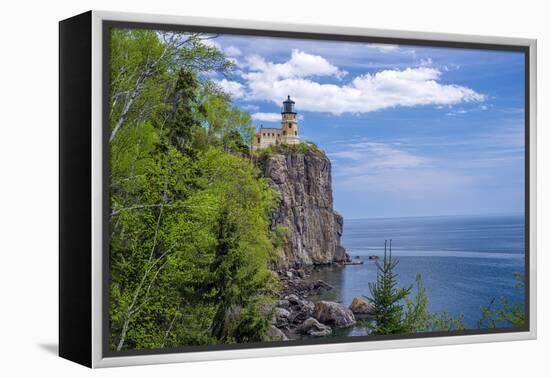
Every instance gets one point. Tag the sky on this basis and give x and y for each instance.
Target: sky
(410, 130)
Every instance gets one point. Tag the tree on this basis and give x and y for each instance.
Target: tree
(387, 297)
(395, 312)
(141, 60)
(221, 118)
(239, 279)
(189, 216)
(504, 312)
(181, 115)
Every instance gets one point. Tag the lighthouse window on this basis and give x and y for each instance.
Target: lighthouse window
(290, 125)
(295, 133)
(258, 140)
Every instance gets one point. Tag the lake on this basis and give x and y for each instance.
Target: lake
(465, 261)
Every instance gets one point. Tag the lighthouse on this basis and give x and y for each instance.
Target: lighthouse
(286, 134)
(289, 124)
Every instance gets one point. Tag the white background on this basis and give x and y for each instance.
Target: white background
(28, 189)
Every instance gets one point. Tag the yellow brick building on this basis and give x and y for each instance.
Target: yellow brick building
(287, 133)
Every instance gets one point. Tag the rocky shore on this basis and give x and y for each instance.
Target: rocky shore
(294, 316)
(302, 178)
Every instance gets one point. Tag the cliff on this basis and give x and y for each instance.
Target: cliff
(303, 179)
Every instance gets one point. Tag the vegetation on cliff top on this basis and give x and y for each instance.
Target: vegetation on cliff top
(302, 148)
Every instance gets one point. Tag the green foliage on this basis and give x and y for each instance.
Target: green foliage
(445, 322)
(285, 148)
(388, 298)
(417, 316)
(504, 312)
(143, 64)
(397, 313)
(227, 123)
(233, 142)
(189, 222)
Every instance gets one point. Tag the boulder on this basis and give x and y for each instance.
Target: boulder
(361, 306)
(334, 314)
(312, 327)
(293, 299)
(320, 287)
(281, 318)
(281, 312)
(340, 255)
(283, 303)
(275, 334)
(300, 310)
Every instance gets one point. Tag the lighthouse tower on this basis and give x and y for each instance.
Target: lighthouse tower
(289, 124)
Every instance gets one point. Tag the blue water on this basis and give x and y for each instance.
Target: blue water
(465, 261)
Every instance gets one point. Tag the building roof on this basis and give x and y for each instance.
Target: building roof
(288, 106)
(288, 100)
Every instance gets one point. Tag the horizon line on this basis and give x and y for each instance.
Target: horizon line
(439, 215)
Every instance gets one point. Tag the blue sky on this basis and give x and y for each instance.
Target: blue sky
(410, 130)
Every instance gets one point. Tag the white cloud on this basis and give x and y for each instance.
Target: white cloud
(210, 42)
(411, 184)
(266, 117)
(375, 167)
(233, 88)
(408, 87)
(300, 65)
(229, 51)
(426, 62)
(233, 51)
(367, 156)
(271, 117)
(383, 47)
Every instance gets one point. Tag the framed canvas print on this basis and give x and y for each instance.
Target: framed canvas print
(236, 189)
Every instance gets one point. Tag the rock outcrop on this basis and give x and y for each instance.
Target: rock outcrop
(312, 327)
(334, 314)
(304, 183)
(275, 334)
(360, 306)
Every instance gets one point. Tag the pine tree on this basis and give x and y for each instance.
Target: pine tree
(388, 299)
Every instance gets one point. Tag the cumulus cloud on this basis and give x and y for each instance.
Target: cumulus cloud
(232, 88)
(232, 51)
(299, 65)
(266, 117)
(298, 76)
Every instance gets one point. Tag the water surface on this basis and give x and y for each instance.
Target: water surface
(465, 261)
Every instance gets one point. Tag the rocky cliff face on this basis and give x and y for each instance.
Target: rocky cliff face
(304, 183)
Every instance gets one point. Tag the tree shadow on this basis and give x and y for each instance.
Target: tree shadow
(51, 348)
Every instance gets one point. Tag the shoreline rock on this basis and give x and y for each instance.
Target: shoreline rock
(312, 327)
(334, 314)
(360, 306)
(295, 282)
(295, 316)
(275, 334)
